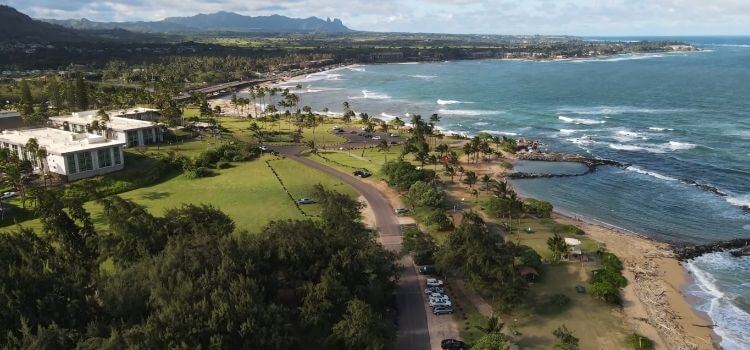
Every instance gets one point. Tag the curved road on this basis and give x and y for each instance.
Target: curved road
(412, 332)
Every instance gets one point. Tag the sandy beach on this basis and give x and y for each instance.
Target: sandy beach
(654, 304)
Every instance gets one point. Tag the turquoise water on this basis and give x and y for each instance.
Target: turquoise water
(673, 116)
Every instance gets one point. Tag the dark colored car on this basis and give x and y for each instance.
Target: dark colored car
(442, 310)
(453, 344)
(426, 270)
(363, 173)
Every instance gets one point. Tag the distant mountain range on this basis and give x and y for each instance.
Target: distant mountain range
(18, 27)
(214, 22)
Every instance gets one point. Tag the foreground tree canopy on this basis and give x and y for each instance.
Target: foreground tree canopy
(187, 281)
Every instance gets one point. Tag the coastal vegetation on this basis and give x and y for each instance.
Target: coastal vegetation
(189, 279)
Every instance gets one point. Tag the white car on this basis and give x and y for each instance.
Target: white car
(8, 195)
(437, 296)
(376, 137)
(434, 282)
(393, 135)
(440, 302)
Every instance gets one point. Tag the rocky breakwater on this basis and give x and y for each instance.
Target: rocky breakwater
(590, 163)
(737, 247)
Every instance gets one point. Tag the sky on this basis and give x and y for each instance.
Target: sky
(570, 17)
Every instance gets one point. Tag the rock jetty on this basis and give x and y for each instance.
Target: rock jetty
(738, 247)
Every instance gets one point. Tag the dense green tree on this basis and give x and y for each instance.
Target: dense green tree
(423, 194)
(493, 341)
(27, 101)
(361, 328)
(81, 93)
(557, 246)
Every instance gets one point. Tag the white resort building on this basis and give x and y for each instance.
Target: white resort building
(133, 132)
(70, 155)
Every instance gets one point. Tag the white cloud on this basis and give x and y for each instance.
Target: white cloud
(580, 17)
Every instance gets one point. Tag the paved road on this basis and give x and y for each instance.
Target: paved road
(412, 333)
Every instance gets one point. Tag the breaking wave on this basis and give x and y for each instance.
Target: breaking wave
(467, 112)
(580, 121)
(638, 170)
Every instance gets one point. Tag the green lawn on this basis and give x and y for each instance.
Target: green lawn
(248, 193)
(593, 321)
(347, 160)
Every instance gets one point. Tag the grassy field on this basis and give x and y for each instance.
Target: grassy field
(248, 192)
(346, 160)
(598, 325)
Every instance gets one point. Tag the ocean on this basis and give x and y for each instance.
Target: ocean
(677, 118)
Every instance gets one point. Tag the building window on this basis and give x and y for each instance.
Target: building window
(132, 138)
(105, 157)
(71, 160)
(148, 136)
(85, 162)
(118, 157)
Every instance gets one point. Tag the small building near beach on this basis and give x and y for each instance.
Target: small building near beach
(70, 155)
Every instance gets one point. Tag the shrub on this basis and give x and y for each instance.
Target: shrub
(439, 218)
(224, 165)
(639, 342)
(423, 194)
(607, 281)
(570, 229)
(402, 174)
(200, 172)
(539, 208)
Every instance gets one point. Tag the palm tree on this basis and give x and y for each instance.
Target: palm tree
(468, 149)
(451, 171)
(494, 326)
(558, 247)
(104, 121)
(471, 178)
(383, 146)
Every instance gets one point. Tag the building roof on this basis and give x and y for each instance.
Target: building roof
(58, 141)
(7, 113)
(115, 123)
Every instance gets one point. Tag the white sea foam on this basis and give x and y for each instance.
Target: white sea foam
(316, 77)
(566, 132)
(731, 321)
(449, 102)
(425, 77)
(618, 58)
(467, 112)
(740, 200)
(653, 148)
(481, 123)
(617, 110)
(356, 68)
(650, 173)
(627, 135)
(729, 45)
(580, 121)
(675, 146)
(387, 116)
(496, 132)
(370, 95)
(584, 140)
(407, 63)
(654, 128)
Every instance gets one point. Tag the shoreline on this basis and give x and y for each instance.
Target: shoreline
(655, 304)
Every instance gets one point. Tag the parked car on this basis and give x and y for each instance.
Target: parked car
(434, 282)
(401, 210)
(440, 302)
(8, 195)
(453, 344)
(426, 270)
(393, 135)
(436, 295)
(376, 137)
(363, 173)
(430, 290)
(305, 201)
(266, 149)
(442, 310)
